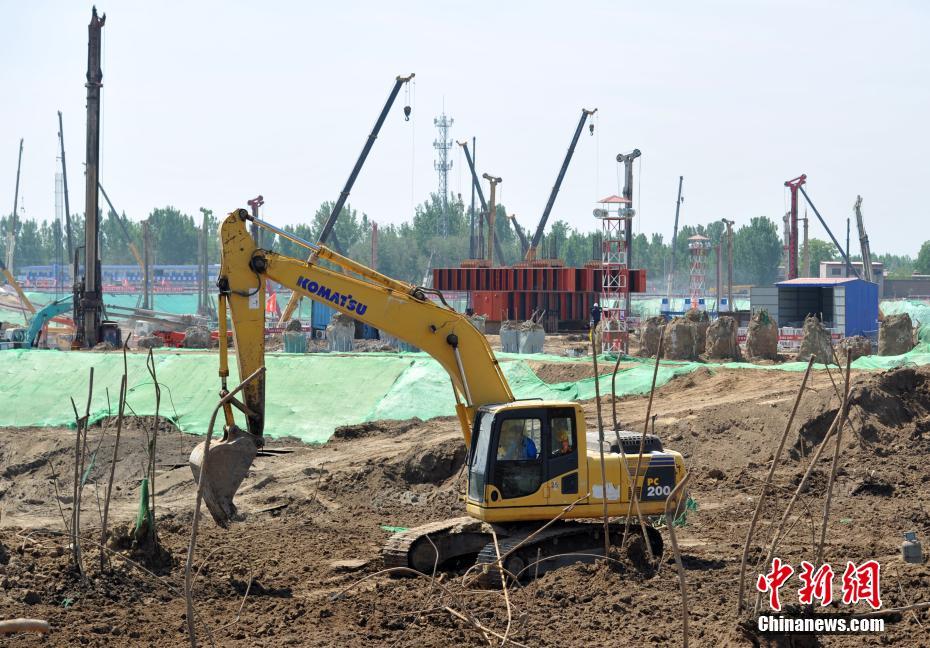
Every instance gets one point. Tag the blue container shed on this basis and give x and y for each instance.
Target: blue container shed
(321, 314)
(847, 303)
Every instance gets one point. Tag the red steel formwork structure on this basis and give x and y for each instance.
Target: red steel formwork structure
(614, 213)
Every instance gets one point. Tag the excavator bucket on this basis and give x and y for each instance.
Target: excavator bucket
(225, 466)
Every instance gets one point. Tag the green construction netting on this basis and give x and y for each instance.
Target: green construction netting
(309, 395)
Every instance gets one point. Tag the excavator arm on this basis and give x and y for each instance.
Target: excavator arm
(395, 307)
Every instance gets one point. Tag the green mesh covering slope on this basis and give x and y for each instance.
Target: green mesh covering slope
(309, 395)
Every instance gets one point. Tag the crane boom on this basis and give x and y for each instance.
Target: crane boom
(122, 228)
(537, 237)
(344, 195)
(524, 243)
(863, 242)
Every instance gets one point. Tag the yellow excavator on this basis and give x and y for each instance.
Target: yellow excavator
(529, 460)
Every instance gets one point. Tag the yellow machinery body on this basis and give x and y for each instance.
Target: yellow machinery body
(528, 459)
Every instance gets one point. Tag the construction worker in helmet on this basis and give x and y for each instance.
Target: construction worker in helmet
(561, 437)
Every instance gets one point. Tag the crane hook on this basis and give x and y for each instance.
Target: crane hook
(406, 113)
(591, 128)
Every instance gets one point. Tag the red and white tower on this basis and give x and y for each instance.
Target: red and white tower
(698, 249)
(613, 213)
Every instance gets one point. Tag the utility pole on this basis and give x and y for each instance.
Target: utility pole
(146, 266)
(64, 179)
(471, 229)
(729, 225)
(11, 234)
(90, 303)
(847, 240)
(671, 265)
(718, 250)
(492, 214)
(806, 251)
(204, 298)
(627, 160)
(374, 245)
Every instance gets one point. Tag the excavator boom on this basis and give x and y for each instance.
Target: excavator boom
(395, 307)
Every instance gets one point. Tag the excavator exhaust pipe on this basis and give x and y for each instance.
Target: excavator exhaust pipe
(224, 467)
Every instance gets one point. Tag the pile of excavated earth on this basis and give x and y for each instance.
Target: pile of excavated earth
(302, 567)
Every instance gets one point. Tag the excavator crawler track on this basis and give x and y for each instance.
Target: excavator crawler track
(452, 538)
(581, 541)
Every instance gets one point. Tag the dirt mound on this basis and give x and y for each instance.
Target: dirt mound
(150, 342)
(479, 322)
(815, 342)
(889, 412)
(722, 341)
(197, 337)
(340, 333)
(895, 335)
(649, 338)
(762, 337)
(435, 464)
(679, 342)
(855, 347)
(375, 428)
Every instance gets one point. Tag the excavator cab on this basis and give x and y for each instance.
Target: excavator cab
(526, 461)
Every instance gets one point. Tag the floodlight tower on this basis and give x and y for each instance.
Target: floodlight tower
(442, 165)
(698, 247)
(614, 213)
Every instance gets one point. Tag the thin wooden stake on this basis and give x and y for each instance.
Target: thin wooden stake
(634, 498)
(188, 593)
(835, 465)
(794, 498)
(600, 445)
(765, 487)
(675, 497)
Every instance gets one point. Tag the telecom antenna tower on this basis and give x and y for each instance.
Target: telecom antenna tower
(442, 145)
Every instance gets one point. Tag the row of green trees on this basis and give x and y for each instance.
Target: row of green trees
(409, 250)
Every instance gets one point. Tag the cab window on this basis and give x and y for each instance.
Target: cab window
(519, 469)
(562, 437)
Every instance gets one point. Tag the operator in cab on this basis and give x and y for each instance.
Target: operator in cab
(514, 445)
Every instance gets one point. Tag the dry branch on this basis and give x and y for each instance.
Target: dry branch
(634, 487)
(192, 633)
(600, 437)
(835, 465)
(766, 485)
(794, 498)
(676, 498)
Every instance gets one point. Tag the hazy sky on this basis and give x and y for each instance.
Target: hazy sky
(210, 103)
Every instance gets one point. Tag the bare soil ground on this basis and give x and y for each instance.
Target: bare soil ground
(315, 517)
